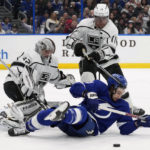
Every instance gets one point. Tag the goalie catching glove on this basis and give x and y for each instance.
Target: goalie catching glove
(65, 81)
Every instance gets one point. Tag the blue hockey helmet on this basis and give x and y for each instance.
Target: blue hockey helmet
(119, 82)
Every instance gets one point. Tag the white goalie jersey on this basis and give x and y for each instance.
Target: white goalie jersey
(96, 39)
(41, 74)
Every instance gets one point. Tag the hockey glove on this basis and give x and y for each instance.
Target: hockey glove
(78, 48)
(144, 121)
(77, 90)
(95, 56)
(65, 82)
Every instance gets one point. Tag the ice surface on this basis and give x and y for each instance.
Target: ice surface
(53, 138)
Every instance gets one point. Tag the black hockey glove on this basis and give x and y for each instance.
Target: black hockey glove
(78, 48)
(144, 121)
(95, 56)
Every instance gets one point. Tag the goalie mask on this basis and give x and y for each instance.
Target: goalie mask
(45, 48)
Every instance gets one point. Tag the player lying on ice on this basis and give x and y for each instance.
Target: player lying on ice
(87, 118)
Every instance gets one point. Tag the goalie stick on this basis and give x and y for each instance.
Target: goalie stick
(99, 66)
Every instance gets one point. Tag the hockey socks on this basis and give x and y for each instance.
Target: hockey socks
(77, 115)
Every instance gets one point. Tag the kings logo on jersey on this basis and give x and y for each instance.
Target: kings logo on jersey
(45, 77)
(93, 41)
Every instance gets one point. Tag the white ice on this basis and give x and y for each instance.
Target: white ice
(53, 138)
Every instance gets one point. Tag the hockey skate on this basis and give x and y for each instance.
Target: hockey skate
(18, 131)
(59, 113)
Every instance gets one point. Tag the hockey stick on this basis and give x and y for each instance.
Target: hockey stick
(99, 66)
(11, 72)
(101, 107)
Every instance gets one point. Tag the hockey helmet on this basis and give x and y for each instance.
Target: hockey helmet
(122, 82)
(101, 10)
(45, 44)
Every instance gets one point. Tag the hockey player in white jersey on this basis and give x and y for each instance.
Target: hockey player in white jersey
(98, 38)
(27, 77)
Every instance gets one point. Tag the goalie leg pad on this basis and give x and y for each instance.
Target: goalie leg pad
(29, 108)
(66, 82)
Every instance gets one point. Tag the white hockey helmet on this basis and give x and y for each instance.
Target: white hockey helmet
(45, 44)
(101, 10)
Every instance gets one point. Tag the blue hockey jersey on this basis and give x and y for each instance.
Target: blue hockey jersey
(105, 119)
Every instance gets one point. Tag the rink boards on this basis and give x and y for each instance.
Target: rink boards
(133, 50)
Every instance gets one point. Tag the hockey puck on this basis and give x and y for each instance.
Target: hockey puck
(116, 145)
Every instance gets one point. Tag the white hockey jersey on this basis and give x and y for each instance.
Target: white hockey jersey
(96, 39)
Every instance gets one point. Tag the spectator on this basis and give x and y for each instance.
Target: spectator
(91, 15)
(74, 18)
(70, 27)
(139, 29)
(145, 16)
(90, 4)
(61, 26)
(144, 3)
(130, 11)
(132, 2)
(138, 9)
(51, 23)
(1, 30)
(86, 12)
(49, 7)
(121, 26)
(6, 25)
(125, 9)
(130, 28)
(27, 28)
(74, 8)
(14, 29)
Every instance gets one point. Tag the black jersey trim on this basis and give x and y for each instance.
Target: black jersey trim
(20, 64)
(54, 78)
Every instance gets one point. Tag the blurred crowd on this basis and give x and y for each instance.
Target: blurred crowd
(57, 16)
(62, 16)
(21, 10)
